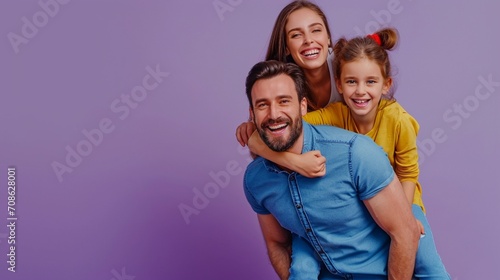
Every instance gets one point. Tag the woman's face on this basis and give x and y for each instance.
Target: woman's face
(307, 39)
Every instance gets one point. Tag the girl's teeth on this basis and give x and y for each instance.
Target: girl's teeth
(360, 101)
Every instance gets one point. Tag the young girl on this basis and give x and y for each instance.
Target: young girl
(362, 73)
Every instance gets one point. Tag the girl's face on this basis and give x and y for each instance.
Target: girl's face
(362, 86)
(307, 39)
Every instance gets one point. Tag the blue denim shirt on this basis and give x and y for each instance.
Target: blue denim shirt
(329, 211)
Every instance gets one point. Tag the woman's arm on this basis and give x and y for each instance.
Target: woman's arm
(311, 164)
(243, 132)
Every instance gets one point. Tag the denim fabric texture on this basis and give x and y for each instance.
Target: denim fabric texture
(329, 211)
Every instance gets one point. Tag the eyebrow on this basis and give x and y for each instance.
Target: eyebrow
(354, 77)
(311, 25)
(283, 96)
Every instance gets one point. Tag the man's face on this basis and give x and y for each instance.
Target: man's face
(278, 113)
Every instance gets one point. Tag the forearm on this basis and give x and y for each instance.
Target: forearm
(404, 243)
(390, 210)
(280, 260)
(409, 190)
(402, 258)
(258, 147)
(278, 243)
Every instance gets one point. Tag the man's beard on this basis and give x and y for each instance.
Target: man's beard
(278, 144)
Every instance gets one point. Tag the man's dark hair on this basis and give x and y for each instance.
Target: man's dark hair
(272, 68)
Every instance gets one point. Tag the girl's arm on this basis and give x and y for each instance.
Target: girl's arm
(409, 189)
(311, 164)
(406, 159)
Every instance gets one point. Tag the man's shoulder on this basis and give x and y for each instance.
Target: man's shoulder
(258, 162)
(258, 166)
(333, 134)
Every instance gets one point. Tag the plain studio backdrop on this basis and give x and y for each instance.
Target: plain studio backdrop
(118, 119)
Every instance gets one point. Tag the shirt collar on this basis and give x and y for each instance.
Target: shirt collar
(308, 141)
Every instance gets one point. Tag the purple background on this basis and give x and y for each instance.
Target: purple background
(116, 215)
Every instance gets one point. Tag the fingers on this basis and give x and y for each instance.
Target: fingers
(250, 127)
(421, 227)
(320, 163)
(238, 137)
(320, 159)
(243, 132)
(322, 170)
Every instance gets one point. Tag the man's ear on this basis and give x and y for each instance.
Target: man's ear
(250, 114)
(387, 86)
(303, 106)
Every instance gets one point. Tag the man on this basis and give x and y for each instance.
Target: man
(356, 217)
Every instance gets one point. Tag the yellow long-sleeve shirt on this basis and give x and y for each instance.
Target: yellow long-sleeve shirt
(394, 130)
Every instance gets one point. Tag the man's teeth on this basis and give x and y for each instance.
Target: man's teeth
(276, 127)
(311, 52)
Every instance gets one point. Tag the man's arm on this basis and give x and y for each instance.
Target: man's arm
(278, 243)
(390, 210)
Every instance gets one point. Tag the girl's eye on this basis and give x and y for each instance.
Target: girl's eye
(316, 30)
(371, 82)
(295, 35)
(350, 81)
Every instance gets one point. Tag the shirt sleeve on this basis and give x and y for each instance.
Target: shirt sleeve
(406, 152)
(254, 203)
(370, 168)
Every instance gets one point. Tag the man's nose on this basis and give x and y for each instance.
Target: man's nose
(274, 111)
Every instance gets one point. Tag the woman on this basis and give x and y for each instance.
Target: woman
(301, 35)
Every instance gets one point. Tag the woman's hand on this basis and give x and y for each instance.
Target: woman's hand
(244, 131)
(311, 164)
